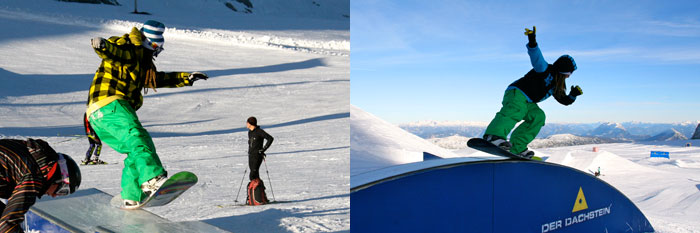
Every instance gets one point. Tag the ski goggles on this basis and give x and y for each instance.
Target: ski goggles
(63, 185)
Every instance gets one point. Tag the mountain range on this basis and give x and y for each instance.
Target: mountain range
(594, 132)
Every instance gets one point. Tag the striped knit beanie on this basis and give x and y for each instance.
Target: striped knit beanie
(153, 30)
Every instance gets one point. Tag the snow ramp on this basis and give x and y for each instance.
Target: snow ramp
(498, 196)
(89, 211)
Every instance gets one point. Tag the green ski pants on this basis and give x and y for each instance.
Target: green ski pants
(118, 126)
(515, 109)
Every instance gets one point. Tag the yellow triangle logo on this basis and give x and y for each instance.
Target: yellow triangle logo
(580, 201)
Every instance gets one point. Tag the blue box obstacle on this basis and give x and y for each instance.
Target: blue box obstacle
(492, 196)
(660, 154)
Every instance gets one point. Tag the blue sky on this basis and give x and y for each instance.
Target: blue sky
(451, 60)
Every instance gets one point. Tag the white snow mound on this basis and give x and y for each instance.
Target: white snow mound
(375, 144)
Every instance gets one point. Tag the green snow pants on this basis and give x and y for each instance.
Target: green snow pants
(515, 109)
(118, 126)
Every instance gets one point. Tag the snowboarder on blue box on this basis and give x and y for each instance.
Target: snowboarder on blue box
(256, 150)
(115, 94)
(95, 145)
(521, 98)
(30, 169)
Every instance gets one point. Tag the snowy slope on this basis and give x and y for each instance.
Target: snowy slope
(567, 140)
(375, 144)
(454, 142)
(298, 87)
(666, 190)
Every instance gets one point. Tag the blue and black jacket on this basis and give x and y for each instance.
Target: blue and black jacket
(539, 84)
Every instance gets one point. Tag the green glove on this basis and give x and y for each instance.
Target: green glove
(576, 91)
(531, 37)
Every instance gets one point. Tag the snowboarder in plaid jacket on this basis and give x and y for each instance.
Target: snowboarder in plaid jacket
(127, 68)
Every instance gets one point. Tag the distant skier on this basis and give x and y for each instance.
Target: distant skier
(256, 150)
(95, 145)
(521, 98)
(28, 170)
(115, 94)
(256, 154)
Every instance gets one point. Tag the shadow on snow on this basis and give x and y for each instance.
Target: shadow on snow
(270, 220)
(37, 84)
(77, 130)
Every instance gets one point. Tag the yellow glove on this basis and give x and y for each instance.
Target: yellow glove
(532, 42)
(576, 91)
(528, 31)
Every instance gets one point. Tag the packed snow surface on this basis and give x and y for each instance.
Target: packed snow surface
(291, 72)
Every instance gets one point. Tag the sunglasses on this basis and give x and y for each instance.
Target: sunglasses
(156, 49)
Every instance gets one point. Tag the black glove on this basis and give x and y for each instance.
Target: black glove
(194, 76)
(575, 91)
(531, 37)
(261, 151)
(98, 42)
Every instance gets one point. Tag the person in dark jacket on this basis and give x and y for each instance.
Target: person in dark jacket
(256, 150)
(521, 98)
(28, 170)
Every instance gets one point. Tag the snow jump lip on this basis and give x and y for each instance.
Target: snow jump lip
(499, 196)
(89, 211)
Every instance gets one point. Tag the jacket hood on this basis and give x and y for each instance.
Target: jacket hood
(565, 63)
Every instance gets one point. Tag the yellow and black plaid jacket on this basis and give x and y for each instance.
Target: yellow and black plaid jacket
(121, 74)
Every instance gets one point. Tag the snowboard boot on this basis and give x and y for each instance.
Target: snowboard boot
(154, 184)
(129, 204)
(527, 154)
(498, 141)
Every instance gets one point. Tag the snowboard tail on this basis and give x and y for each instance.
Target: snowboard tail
(175, 186)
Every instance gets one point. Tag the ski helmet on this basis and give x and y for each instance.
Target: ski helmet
(565, 64)
(72, 175)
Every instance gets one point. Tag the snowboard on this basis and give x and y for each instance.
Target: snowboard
(171, 189)
(485, 146)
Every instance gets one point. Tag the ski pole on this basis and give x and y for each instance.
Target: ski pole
(268, 179)
(240, 186)
(67, 140)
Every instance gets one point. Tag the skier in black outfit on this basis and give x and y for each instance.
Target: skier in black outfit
(256, 150)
